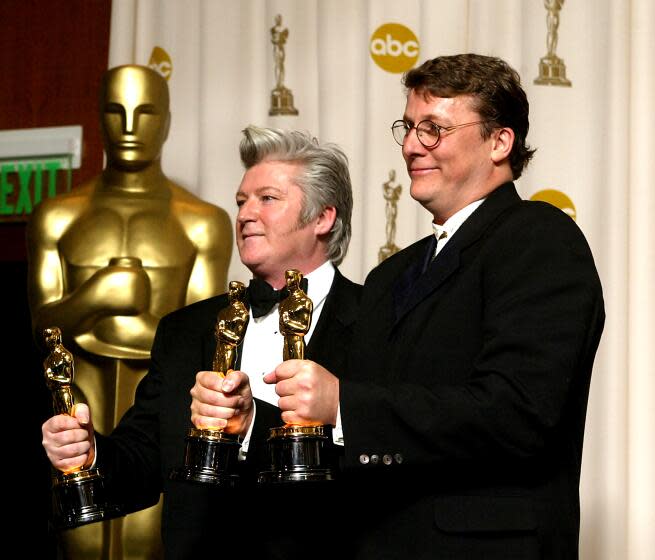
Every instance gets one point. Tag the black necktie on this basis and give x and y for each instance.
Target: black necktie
(262, 297)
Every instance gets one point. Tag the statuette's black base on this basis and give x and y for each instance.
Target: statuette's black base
(79, 498)
(210, 457)
(299, 454)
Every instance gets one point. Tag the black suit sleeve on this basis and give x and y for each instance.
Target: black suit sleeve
(130, 458)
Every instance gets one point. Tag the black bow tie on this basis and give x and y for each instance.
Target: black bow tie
(262, 297)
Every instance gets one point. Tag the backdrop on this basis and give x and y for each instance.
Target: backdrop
(342, 62)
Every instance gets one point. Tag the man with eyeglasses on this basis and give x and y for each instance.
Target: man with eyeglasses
(464, 403)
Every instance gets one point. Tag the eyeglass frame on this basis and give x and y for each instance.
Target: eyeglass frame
(439, 128)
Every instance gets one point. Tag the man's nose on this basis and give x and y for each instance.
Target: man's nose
(247, 212)
(411, 145)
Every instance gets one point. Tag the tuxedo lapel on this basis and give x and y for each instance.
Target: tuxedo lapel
(413, 287)
(339, 313)
(409, 292)
(208, 350)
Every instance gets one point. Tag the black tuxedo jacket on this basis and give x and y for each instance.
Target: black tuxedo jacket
(464, 408)
(148, 443)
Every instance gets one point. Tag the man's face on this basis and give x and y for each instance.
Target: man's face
(455, 172)
(135, 117)
(269, 236)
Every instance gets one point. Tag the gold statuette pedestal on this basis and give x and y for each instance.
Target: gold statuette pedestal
(78, 496)
(552, 72)
(298, 453)
(211, 455)
(282, 102)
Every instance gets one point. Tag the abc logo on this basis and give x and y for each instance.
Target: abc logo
(394, 47)
(558, 199)
(160, 62)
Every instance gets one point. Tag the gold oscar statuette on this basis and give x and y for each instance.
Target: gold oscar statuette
(211, 454)
(391, 194)
(79, 494)
(552, 70)
(298, 453)
(281, 96)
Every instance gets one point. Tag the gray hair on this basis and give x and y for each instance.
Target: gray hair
(324, 180)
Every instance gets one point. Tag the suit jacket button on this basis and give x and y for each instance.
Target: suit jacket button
(364, 459)
(387, 459)
(398, 457)
(375, 459)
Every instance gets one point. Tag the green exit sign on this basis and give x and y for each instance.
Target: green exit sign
(35, 164)
(26, 182)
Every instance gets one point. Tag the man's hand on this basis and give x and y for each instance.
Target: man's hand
(222, 402)
(68, 440)
(309, 394)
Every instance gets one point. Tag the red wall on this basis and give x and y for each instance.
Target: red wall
(52, 55)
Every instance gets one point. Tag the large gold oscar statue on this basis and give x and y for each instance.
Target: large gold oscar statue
(108, 260)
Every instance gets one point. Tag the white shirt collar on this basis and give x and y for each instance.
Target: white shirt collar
(319, 282)
(452, 224)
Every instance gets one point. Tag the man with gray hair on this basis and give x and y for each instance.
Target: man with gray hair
(294, 209)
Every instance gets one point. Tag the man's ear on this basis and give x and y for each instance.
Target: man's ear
(503, 141)
(325, 220)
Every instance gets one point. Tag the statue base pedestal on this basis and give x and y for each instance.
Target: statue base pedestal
(282, 102)
(210, 457)
(299, 454)
(552, 72)
(79, 498)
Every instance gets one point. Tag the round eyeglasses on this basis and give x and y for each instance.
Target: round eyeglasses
(427, 132)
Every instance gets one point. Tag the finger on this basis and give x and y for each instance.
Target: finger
(214, 398)
(70, 455)
(290, 417)
(69, 437)
(285, 370)
(233, 381)
(82, 413)
(77, 449)
(209, 380)
(211, 411)
(208, 422)
(288, 404)
(70, 465)
(204, 395)
(59, 423)
(286, 387)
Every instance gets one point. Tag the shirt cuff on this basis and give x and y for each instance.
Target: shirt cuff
(243, 451)
(95, 455)
(337, 431)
